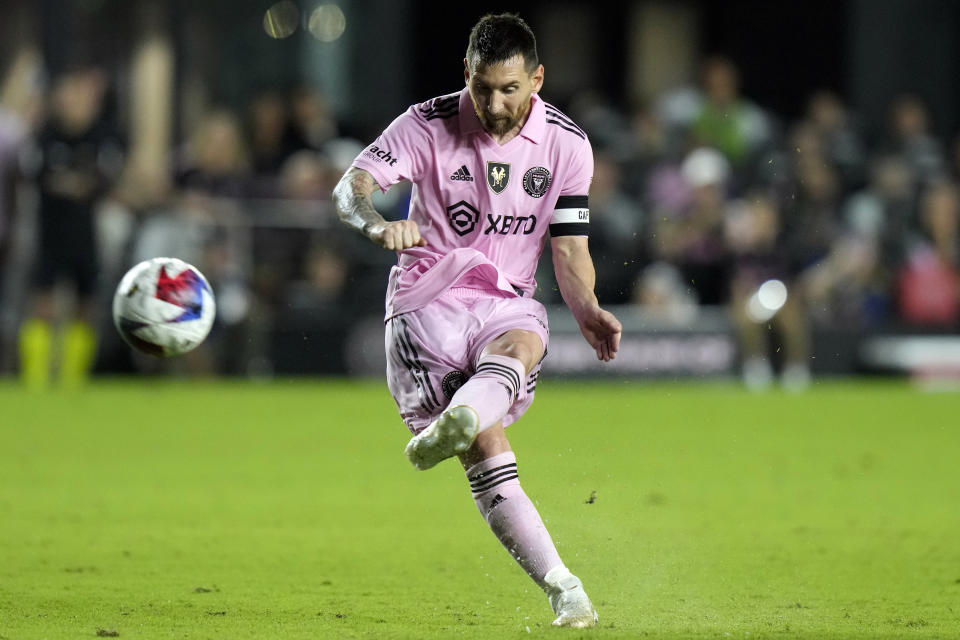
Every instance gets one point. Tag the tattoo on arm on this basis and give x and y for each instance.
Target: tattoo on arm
(351, 197)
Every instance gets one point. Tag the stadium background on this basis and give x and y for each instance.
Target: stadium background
(140, 506)
(850, 112)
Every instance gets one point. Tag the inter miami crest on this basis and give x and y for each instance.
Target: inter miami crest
(453, 381)
(498, 174)
(536, 181)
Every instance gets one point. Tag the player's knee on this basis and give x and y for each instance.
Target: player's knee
(521, 345)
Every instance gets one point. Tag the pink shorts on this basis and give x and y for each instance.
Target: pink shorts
(432, 351)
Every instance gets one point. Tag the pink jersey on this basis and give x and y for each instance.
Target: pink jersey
(483, 209)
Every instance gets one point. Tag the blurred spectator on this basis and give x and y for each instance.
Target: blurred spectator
(884, 210)
(940, 221)
(211, 174)
(849, 288)
(929, 282)
(313, 119)
(211, 171)
(909, 138)
(955, 159)
(645, 148)
(215, 160)
(753, 233)
(305, 176)
(273, 138)
(12, 134)
(604, 123)
(20, 109)
(661, 294)
(81, 157)
(725, 119)
(692, 237)
(617, 241)
(839, 139)
(21, 102)
(812, 213)
(279, 251)
(319, 311)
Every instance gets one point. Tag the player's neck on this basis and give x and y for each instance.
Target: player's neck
(502, 139)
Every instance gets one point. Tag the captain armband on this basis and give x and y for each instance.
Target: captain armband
(571, 217)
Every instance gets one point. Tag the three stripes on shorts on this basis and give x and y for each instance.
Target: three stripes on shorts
(407, 353)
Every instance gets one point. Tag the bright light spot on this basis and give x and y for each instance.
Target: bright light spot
(767, 301)
(327, 23)
(772, 294)
(281, 20)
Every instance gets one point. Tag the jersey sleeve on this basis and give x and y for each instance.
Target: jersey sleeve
(571, 214)
(399, 153)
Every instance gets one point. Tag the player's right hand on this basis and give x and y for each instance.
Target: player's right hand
(397, 236)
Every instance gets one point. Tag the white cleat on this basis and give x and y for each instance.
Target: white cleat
(568, 599)
(452, 433)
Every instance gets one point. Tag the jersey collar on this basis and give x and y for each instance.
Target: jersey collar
(532, 129)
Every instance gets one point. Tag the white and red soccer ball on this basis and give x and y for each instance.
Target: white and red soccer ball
(164, 307)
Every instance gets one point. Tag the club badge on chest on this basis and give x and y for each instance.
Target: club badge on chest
(498, 175)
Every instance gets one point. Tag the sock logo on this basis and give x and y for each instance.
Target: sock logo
(497, 499)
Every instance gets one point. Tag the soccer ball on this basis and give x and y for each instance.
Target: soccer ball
(163, 307)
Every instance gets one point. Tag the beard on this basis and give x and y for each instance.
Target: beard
(499, 125)
(503, 122)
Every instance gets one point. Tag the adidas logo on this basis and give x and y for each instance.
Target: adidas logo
(462, 174)
(497, 499)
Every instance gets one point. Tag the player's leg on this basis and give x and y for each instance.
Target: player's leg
(482, 401)
(79, 345)
(79, 336)
(426, 359)
(756, 370)
(35, 340)
(792, 323)
(491, 469)
(500, 380)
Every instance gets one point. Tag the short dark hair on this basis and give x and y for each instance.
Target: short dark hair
(498, 38)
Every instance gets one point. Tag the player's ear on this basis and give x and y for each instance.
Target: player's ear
(466, 71)
(536, 78)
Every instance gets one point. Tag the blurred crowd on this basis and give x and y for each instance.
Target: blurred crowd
(699, 197)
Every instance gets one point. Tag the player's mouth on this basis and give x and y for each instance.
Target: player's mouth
(499, 124)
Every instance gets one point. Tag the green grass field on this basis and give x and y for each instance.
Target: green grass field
(287, 510)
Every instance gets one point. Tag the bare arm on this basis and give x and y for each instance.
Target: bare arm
(351, 197)
(576, 278)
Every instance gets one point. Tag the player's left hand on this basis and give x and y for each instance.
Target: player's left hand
(602, 330)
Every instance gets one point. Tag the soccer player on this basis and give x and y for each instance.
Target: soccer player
(81, 159)
(493, 168)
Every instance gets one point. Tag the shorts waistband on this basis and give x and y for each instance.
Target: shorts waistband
(469, 293)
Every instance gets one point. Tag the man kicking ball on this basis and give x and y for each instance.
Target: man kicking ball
(493, 168)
